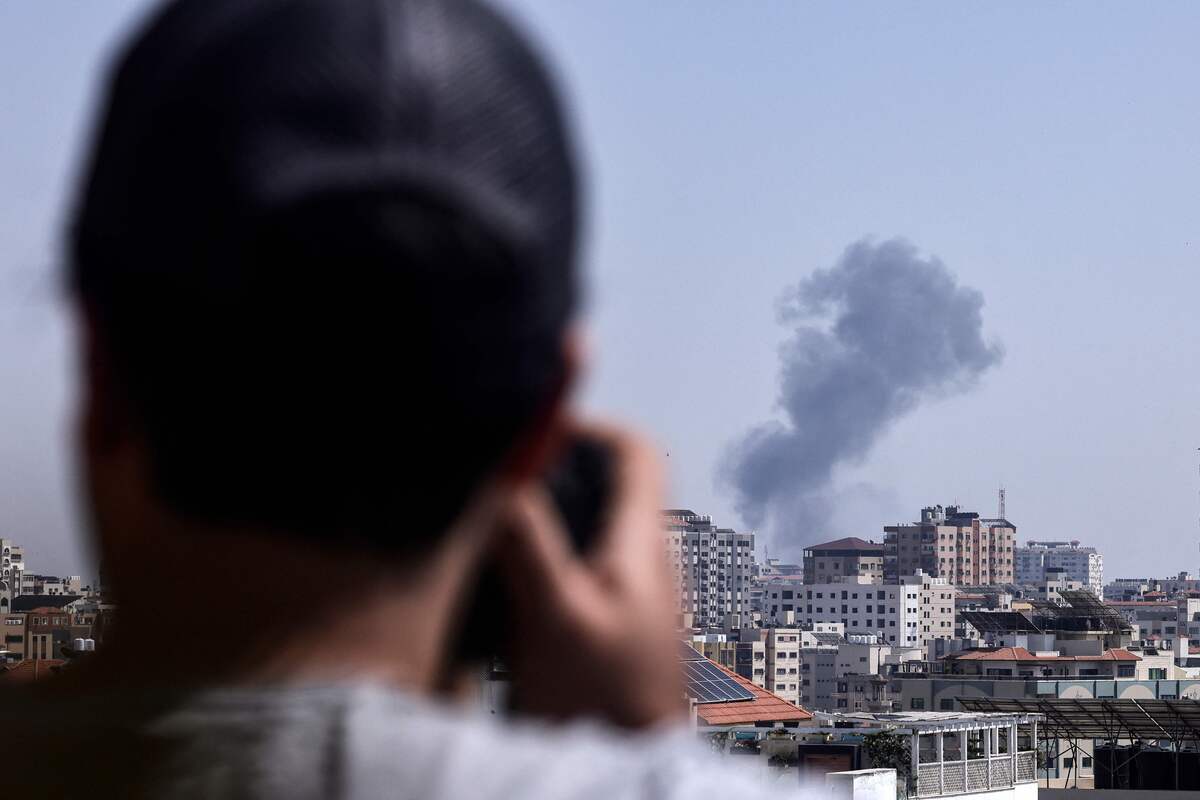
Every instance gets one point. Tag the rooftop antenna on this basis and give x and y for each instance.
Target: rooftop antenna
(1002, 493)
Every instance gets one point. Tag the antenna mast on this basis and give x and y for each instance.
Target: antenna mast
(1002, 493)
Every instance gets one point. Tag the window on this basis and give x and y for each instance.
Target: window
(918, 703)
(946, 704)
(1087, 762)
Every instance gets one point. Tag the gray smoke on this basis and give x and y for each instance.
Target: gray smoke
(875, 335)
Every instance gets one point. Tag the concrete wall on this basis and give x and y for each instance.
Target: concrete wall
(862, 784)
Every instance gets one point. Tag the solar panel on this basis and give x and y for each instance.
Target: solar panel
(705, 682)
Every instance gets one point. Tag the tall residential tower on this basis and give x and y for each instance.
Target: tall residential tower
(960, 546)
(713, 565)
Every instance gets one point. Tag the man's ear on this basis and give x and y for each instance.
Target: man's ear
(111, 455)
(546, 436)
(104, 416)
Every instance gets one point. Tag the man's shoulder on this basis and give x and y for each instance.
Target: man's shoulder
(369, 741)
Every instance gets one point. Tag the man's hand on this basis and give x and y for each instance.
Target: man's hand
(593, 633)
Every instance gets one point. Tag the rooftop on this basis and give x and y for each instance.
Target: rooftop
(938, 720)
(848, 543)
(1024, 655)
(28, 602)
(765, 707)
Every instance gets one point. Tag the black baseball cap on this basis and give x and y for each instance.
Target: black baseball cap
(223, 112)
(329, 247)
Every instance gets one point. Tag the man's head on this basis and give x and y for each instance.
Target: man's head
(325, 251)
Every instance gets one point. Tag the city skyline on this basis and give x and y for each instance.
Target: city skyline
(1042, 154)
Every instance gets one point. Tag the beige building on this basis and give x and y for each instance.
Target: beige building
(824, 563)
(949, 543)
(781, 659)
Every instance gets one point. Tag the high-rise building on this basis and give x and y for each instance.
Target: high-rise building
(843, 557)
(960, 546)
(1036, 562)
(713, 568)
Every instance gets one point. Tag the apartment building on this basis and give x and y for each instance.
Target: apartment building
(959, 546)
(818, 674)
(1149, 588)
(912, 612)
(779, 599)
(1034, 563)
(782, 648)
(850, 556)
(1051, 587)
(713, 567)
(47, 631)
(12, 567)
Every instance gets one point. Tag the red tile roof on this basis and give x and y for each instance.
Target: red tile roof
(765, 707)
(1021, 654)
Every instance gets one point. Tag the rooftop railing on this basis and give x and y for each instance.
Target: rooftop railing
(943, 778)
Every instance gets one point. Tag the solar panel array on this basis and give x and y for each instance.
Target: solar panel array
(705, 682)
(1101, 717)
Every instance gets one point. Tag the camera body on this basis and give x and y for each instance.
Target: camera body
(581, 485)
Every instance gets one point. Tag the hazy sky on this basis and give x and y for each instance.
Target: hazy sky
(1046, 154)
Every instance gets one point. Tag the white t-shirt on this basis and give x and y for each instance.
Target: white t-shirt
(365, 741)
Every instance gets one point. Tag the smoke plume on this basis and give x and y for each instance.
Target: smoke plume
(876, 334)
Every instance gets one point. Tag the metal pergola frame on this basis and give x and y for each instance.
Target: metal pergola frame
(1104, 718)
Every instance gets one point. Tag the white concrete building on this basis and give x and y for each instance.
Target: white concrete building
(911, 613)
(1036, 561)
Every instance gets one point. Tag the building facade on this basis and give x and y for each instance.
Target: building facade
(959, 546)
(818, 675)
(1037, 561)
(910, 613)
(13, 646)
(713, 567)
(12, 567)
(851, 557)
